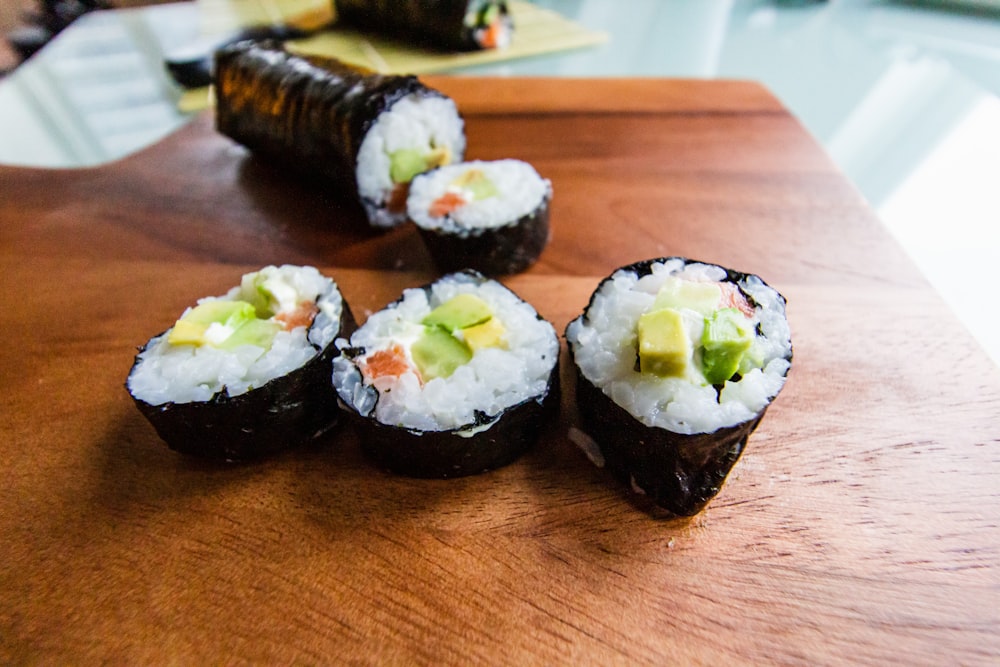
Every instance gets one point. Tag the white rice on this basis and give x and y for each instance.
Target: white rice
(520, 191)
(492, 381)
(416, 121)
(187, 373)
(604, 348)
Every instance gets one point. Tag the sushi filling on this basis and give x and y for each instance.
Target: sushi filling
(416, 134)
(476, 195)
(491, 25)
(700, 331)
(274, 322)
(451, 357)
(701, 353)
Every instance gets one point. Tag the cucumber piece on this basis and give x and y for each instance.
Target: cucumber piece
(727, 336)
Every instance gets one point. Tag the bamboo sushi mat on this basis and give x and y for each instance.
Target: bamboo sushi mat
(537, 31)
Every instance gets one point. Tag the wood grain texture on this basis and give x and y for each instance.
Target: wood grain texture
(860, 526)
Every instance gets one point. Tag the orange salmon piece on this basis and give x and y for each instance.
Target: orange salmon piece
(732, 297)
(390, 362)
(302, 316)
(446, 203)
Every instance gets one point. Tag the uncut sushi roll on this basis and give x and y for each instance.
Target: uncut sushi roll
(459, 25)
(364, 133)
(489, 216)
(246, 374)
(454, 378)
(676, 363)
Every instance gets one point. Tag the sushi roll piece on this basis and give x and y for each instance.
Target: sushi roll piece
(489, 216)
(676, 363)
(364, 133)
(454, 378)
(246, 374)
(447, 25)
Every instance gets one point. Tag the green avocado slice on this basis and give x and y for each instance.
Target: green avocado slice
(254, 332)
(459, 312)
(727, 336)
(664, 346)
(437, 353)
(476, 183)
(406, 163)
(237, 319)
(678, 293)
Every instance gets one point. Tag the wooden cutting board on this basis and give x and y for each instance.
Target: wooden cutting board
(861, 524)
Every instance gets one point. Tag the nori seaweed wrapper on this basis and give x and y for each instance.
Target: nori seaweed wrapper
(285, 412)
(439, 24)
(489, 442)
(495, 251)
(679, 473)
(307, 113)
(444, 454)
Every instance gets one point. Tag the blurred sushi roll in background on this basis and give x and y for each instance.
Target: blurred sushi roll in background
(676, 363)
(364, 133)
(447, 25)
(454, 378)
(489, 216)
(247, 373)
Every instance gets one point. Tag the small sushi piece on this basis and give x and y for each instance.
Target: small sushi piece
(676, 363)
(491, 216)
(246, 374)
(448, 25)
(454, 378)
(365, 134)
